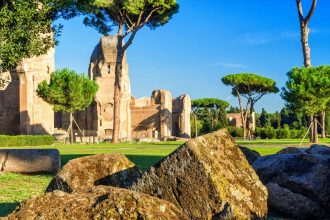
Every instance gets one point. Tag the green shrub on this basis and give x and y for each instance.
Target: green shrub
(235, 131)
(281, 133)
(25, 140)
(295, 133)
(265, 133)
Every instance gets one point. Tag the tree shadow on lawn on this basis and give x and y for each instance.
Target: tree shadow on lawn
(143, 162)
(7, 208)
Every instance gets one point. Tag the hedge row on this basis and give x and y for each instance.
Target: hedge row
(270, 132)
(25, 140)
(281, 133)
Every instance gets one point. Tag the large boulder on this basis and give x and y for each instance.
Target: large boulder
(209, 178)
(291, 150)
(321, 150)
(29, 160)
(298, 184)
(101, 169)
(101, 202)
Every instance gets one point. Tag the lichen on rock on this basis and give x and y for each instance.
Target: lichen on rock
(102, 169)
(101, 202)
(208, 177)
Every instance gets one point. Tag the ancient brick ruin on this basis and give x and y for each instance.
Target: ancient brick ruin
(23, 112)
(156, 117)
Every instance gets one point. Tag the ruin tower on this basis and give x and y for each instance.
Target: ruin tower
(21, 110)
(181, 116)
(102, 71)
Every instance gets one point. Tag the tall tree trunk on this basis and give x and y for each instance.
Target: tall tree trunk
(311, 130)
(323, 124)
(242, 114)
(304, 32)
(250, 119)
(195, 124)
(117, 89)
(315, 136)
(71, 127)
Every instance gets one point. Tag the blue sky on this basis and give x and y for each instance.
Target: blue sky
(207, 40)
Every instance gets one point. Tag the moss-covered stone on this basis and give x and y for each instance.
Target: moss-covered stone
(208, 177)
(101, 202)
(102, 169)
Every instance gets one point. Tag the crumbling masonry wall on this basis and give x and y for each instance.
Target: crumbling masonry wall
(21, 110)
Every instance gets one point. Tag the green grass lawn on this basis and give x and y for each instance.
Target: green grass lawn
(15, 188)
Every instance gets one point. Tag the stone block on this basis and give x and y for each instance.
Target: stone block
(96, 203)
(101, 169)
(29, 160)
(209, 178)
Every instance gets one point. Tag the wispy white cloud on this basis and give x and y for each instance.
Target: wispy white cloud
(230, 65)
(314, 30)
(266, 37)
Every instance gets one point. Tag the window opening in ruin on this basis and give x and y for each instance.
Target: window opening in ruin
(109, 68)
(101, 122)
(108, 132)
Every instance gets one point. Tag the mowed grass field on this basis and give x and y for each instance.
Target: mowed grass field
(15, 188)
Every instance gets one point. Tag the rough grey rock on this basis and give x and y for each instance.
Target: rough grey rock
(29, 160)
(322, 150)
(291, 150)
(101, 202)
(102, 169)
(285, 201)
(304, 177)
(209, 178)
(251, 155)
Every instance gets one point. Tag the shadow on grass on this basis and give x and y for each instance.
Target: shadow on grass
(7, 208)
(143, 162)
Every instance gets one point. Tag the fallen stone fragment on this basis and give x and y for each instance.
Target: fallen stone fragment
(298, 184)
(29, 160)
(322, 150)
(209, 178)
(101, 169)
(101, 202)
(291, 150)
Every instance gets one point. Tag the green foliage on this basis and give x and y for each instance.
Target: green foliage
(233, 110)
(192, 125)
(103, 14)
(266, 133)
(283, 133)
(25, 30)
(308, 89)
(275, 120)
(250, 84)
(235, 131)
(264, 118)
(212, 103)
(68, 91)
(25, 140)
(294, 118)
(327, 121)
(280, 133)
(211, 112)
